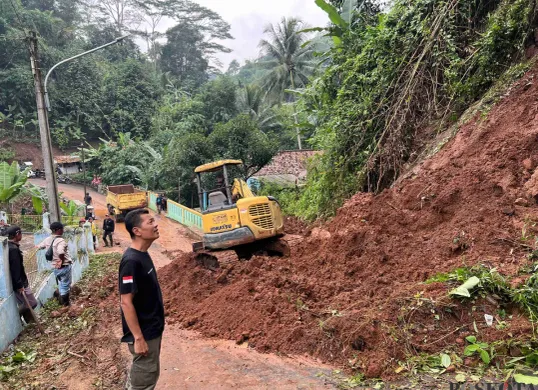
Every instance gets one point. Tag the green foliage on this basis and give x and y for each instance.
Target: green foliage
(421, 61)
(15, 360)
(493, 283)
(287, 196)
(241, 139)
(12, 181)
(476, 347)
(6, 154)
(71, 209)
(287, 56)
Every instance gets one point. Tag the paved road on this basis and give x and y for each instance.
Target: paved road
(190, 361)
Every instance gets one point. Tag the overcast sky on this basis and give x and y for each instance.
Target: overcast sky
(249, 17)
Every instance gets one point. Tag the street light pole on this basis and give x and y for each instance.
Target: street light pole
(47, 102)
(46, 144)
(83, 174)
(42, 100)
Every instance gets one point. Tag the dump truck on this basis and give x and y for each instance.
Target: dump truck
(124, 198)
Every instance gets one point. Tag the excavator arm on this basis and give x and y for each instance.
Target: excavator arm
(241, 190)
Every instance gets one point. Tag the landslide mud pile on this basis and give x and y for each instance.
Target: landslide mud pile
(353, 293)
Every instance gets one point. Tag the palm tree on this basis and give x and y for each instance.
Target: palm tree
(251, 100)
(288, 59)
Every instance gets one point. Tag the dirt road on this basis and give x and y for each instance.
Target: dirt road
(189, 361)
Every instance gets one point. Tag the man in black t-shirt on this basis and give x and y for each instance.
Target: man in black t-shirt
(142, 309)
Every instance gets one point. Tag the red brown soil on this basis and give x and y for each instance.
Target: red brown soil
(30, 151)
(348, 294)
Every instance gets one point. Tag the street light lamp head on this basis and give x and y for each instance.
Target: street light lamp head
(122, 38)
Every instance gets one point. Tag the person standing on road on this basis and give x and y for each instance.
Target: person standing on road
(61, 261)
(164, 205)
(91, 224)
(142, 308)
(108, 229)
(88, 199)
(18, 274)
(159, 202)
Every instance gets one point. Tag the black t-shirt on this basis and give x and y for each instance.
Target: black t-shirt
(138, 276)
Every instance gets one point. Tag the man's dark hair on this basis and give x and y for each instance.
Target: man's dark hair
(55, 226)
(133, 219)
(12, 231)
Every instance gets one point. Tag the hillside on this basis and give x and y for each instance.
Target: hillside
(353, 293)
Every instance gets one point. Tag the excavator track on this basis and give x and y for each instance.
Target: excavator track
(279, 247)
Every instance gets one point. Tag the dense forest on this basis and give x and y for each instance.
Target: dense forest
(361, 88)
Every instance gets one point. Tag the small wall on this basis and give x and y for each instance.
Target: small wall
(80, 245)
(10, 323)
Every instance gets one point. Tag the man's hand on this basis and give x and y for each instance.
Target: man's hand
(21, 290)
(141, 347)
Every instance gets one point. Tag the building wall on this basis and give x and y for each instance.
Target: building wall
(69, 169)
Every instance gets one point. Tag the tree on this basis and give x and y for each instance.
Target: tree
(252, 100)
(218, 97)
(233, 68)
(287, 58)
(183, 54)
(192, 44)
(241, 139)
(185, 153)
(131, 93)
(124, 14)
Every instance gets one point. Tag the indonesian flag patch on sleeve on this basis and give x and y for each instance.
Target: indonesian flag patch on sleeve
(127, 279)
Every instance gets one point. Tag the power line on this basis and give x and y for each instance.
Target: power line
(17, 13)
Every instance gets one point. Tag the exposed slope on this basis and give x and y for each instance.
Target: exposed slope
(349, 293)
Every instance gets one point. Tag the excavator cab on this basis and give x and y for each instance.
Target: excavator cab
(233, 217)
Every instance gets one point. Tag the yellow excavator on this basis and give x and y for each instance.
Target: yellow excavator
(236, 223)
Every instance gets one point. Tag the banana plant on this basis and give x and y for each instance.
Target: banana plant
(39, 197)
(12, 181)
(71, 209)
(342, 20)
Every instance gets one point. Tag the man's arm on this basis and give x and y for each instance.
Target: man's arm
(15, 269)
(129, 312)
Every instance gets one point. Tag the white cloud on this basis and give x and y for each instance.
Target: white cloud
(248, 19)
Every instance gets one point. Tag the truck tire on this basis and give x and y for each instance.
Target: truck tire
(121, 217)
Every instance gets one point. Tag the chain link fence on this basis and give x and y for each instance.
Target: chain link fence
(28, 223)
(35, 277)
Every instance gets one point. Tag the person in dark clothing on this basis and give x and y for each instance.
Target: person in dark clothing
(18, 274)
(88, 199)
(108, 228)
(164, 205)
(142, 308)
(159, 203)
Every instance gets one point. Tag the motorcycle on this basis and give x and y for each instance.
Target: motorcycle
(64, 179)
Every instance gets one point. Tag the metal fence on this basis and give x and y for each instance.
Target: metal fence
(178, 212)
(71, 220)
(31, 266)
(28, 223)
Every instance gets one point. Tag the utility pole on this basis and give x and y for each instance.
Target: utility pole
(46, 144)
(84, 176)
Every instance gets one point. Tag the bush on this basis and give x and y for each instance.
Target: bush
(423, 61)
